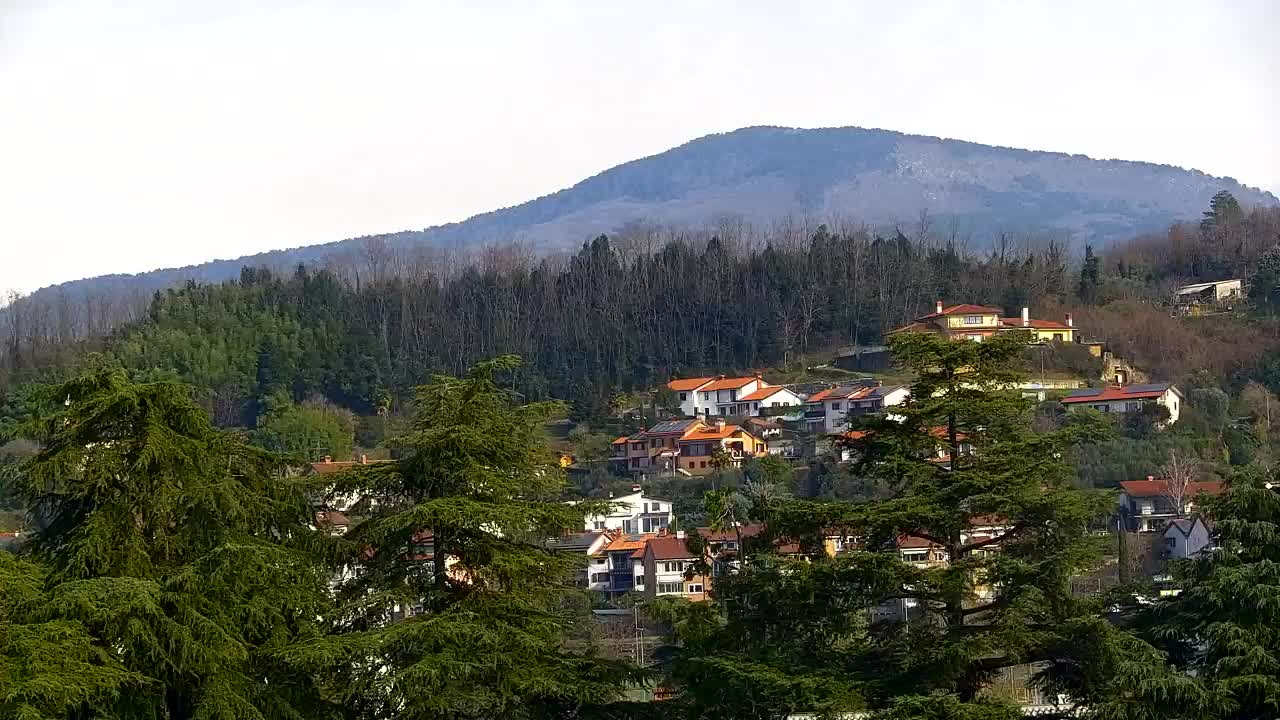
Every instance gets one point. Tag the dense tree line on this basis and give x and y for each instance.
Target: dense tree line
(616, 315)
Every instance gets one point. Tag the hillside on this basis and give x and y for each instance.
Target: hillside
(764, 173)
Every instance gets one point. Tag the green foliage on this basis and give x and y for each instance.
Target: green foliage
(814, 618)
(178, 550)
(50, 667)
(456, 534)
(310, 431)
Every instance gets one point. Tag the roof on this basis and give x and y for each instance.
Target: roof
(763, 393)
(1156, 488)
(853, 392)
(1016, 322)
(962, 310)
(574, 541)
(1201, 287)
(913, 327)
(1127, 392)
(669, 547)
(621, 440)
(331, 518)
(762, 423)
(730, 383)
(671, 427)
(688, 383)
(712, 432)
(328, 467)
(910, 542)
(629, 542)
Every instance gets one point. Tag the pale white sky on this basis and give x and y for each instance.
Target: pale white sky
(137, 134)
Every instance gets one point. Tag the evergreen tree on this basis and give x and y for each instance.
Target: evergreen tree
(1090, 276)
(456, 538)
(998, 506)
(178, 549)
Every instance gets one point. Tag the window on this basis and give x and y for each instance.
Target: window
(972, 319)
(915, 555)
(704, 463)
(706, 396)
(669, 588)
(684, 396)
(635, 462)
(628, 526)
(756, 405)
(652, 524)
(835, 406)
(619, 562)
(671, 567)
(695, 588)
(1132, 406)
(653, 443)
(600, 577)
(975, 338)
(646, 507)
(598, 524)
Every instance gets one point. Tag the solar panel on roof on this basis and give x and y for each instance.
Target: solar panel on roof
(1156, 387)
(1085, 392)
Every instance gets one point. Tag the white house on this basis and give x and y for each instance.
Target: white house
(1149, 504)
(740, 396)
(1127, 398)
(1186, 538)
(828, 411)
(618, 567)
(633, 513)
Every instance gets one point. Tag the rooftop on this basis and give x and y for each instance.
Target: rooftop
(1152, 487)
(686, 384)
(725, 383)
(669, 547)
(763, 393)
(1126, 392)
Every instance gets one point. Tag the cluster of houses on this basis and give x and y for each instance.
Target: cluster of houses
(727, 419)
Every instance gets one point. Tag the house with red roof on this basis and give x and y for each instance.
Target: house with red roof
(618, 567)
(742, 396)
(1127, 398)
(666, 560)
(1149, 505)
(828, 411)
(978, 323)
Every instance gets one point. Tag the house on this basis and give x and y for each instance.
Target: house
(978, 323)
(1127, 398)
(699, 448)
(333, 522)
(666, 559)
(828, 411)
(1205, 297)
(618, 567)
(1148, 505)
(1042, 330)
(328, 466)
(741, 396)
(585, 543)
(633, 513)
(686, 446)
(654, 449)
(1186, 537)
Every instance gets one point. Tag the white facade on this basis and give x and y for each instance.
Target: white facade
(831, 414)
(720, 396)
(1186, 538)
(1171, 399)
(633, 513)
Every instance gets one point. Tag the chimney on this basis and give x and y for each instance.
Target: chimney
(680, 534)
(662, 532)
(937, 308)
(1026, 317)
(635, 488)
(1069, 321)
(1151, 478)
(719, 423)
(364, 459)
(326, 459)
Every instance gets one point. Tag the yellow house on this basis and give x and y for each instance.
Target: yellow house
(698, 446)
(978, 323)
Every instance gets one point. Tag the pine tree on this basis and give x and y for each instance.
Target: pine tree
(999, 600)
(457, 538)
(49, 667)
(178, 549)
(1090, 276)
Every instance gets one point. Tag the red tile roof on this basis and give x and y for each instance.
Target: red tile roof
(1157, 488)
(711, 432)
(962, 310)
(729, 383)
(1110, 394)
(747, 531)
(763, 393)
(628, 542)
(328, 467)
(689, 383)
(669, 547)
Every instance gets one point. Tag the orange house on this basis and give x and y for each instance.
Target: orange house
(700, 445)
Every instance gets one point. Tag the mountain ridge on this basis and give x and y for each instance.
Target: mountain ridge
(882, 177)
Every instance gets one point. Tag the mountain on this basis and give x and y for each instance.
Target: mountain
(760, 174)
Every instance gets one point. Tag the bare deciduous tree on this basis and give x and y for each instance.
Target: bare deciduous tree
(1179, 472)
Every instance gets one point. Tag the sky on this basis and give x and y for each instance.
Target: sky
(139, 134)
